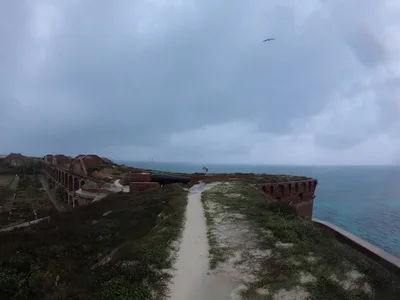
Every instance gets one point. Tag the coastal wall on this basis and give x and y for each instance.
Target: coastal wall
(381, 257)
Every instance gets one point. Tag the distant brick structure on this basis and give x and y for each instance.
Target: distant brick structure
(72, 174)
(83, 163)
(48, 158)
(15, 159)
(61, 159)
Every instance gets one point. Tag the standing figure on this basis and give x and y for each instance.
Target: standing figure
(205, 170)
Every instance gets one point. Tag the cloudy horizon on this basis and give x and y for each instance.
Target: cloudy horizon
(193, 81)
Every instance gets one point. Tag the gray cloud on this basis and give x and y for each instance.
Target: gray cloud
(135, 75)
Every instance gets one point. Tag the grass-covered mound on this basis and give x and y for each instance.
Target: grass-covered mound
(68, 257)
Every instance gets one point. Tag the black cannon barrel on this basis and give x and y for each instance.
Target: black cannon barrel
(167, 179)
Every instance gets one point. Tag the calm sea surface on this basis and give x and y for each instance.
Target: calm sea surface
(364, 200)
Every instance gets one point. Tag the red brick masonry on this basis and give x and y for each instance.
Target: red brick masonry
(297, 194)
(141, 186)
(137, 177)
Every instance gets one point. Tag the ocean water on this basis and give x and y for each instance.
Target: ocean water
(364, 200)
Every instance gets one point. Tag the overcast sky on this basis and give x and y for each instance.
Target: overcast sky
(192, 81)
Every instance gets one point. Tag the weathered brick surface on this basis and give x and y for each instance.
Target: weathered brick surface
(293, 191)
(299, 194)
(137, 177)
(141, 186)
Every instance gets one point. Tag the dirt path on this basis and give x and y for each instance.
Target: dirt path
(14, 183)
(193, 280)
(52, 198)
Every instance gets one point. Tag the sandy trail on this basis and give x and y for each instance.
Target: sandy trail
(193, 280)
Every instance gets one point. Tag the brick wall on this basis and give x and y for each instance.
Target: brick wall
(141, 186)
(293, 191)
(76, 167)
(137, 177)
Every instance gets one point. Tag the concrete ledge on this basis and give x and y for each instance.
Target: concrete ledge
(383, 258)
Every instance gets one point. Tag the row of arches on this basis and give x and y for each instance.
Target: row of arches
(290, 188)
(67, 180)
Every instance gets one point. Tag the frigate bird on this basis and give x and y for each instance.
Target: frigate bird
(268, 40)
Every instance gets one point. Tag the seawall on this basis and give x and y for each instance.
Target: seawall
(386, 260)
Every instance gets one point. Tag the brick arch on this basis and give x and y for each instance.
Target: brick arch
(76, 184)
(281, 190)
(70, 183)
(303, 186)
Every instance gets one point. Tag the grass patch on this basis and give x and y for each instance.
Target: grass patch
(299, 248)
(252, 178)
(142, 227)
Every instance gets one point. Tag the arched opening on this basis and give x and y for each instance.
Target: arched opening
(76, 184)
(82, 183)
(65, 180)
(301, 196)
(70, 187)
(281, 190)
(303, 187)
(296, 188)
(264, 188)
(271, 189)
(309, 186)
(289, 187)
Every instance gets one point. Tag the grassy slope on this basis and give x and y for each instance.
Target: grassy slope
(280, 271)
(144, 224)
(29, 197)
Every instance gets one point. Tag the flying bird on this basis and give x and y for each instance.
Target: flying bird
(268, 40)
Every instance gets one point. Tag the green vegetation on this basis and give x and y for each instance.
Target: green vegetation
(301, 255)
(21, 204)
(61, 195)
(254, 178)
(61, 259)
(5, 194)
